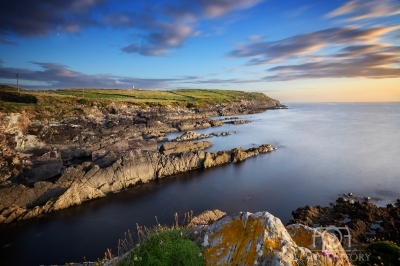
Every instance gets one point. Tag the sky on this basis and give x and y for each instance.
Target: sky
(293, 51)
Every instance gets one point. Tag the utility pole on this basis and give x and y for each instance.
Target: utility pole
(17, 82)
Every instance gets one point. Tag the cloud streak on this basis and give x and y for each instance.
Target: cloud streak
(300, 45)
(367, 61)
(60, 76)
(366, 9)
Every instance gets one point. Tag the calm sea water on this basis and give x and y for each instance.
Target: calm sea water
(325, 150)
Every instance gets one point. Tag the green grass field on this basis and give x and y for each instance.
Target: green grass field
(64, 101)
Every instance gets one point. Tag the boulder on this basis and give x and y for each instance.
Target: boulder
(206, 218)
(261, 239)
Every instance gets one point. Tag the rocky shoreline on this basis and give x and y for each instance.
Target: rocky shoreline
(366, 222)
(53, 164)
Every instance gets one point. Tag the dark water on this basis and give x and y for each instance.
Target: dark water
(325, 150)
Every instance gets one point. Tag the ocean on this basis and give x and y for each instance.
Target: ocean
(325, 150)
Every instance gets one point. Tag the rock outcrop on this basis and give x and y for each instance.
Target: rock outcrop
(206, 218)
(366, 222)
(261, 239)
(102, 151)
(234, 155)
(92, 180)
(96, 126)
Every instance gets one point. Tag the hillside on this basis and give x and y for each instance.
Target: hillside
(64, 102)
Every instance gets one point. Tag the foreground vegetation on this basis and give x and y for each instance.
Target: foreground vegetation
(165, 246)
(382, 253)
(63, 102)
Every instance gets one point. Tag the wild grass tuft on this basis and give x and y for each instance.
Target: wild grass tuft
(161, 245)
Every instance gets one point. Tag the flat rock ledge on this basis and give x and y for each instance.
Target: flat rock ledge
(91, 180)
(261, 239)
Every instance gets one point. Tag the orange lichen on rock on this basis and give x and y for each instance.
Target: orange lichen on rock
(302, 236)
(261, 238)
(238, 239)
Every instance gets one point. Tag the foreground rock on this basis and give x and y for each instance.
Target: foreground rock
(91, 180)
(261, 239)
(366, 222)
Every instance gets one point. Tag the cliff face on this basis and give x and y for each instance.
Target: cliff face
(261, 239)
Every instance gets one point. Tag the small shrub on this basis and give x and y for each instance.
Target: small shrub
(382, 253)
(165, 246)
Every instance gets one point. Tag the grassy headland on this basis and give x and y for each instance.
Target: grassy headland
(63, 102)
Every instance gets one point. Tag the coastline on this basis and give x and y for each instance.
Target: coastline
(52, 164)
(162, 192)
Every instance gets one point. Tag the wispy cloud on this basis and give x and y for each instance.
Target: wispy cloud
(173, 24)
(368, 61)
(60, 76)
(366, 9)
(158, 28)
(301, 45)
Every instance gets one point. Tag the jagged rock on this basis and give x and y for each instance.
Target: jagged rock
(217, 158)
(177, 147)
(23, 196)
(260, 238)
(91, 180)
(206, 218)
(173, 164)
(238, 155)
(75, 195)
(364, 220)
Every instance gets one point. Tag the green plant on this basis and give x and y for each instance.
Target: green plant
(162, 245)
(382, 253)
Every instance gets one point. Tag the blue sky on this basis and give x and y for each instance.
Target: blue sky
(291, 50)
